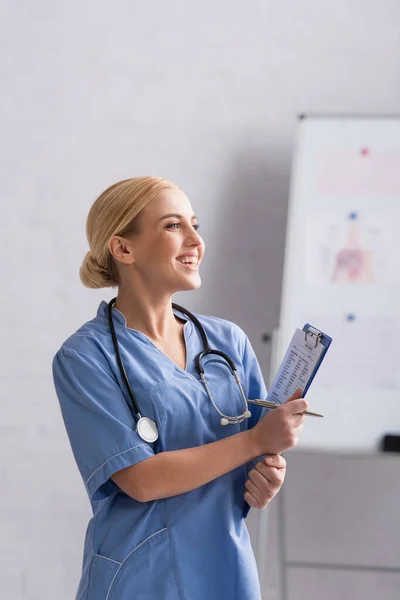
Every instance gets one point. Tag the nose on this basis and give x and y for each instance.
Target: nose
(193, 238)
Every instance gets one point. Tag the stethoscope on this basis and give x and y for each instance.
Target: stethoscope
(146, 428)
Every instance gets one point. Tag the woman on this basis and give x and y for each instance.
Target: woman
(169, 514)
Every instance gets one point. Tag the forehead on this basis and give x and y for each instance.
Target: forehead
(169, 201)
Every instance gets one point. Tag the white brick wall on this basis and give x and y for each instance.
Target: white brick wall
(204, 93)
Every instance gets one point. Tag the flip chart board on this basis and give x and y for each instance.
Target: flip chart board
(342, 274)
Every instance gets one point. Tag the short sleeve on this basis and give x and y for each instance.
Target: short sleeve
(99, 423)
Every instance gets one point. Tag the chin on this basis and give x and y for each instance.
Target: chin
(189, 285)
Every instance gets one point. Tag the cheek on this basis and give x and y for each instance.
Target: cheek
(163, 248)
(161, 255)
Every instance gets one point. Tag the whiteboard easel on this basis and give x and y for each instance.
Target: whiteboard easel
(342, 275)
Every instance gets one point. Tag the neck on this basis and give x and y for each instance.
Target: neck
(151, 315)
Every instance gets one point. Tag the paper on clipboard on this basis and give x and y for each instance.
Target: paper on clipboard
(296, 369)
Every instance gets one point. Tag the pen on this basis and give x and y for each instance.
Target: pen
(269, 404)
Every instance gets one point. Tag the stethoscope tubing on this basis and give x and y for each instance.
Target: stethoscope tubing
(119, 360)
(225, 419)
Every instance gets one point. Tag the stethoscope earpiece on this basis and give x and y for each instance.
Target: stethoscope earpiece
(235, 420)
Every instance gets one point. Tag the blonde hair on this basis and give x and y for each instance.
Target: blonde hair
(115, 212)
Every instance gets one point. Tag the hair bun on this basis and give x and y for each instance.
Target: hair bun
(94, 275)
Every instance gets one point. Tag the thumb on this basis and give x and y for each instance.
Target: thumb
(295, 396)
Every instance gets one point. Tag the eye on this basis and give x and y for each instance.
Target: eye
(177, 225)
(173, 225)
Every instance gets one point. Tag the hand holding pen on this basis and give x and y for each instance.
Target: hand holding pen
(279, 429)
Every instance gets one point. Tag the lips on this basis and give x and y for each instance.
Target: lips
(189, 259)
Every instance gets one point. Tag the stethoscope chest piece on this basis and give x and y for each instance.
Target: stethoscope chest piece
(147, 430)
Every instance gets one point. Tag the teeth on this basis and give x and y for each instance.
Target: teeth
(188, 260)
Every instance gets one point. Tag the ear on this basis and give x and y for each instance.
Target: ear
(121, 249)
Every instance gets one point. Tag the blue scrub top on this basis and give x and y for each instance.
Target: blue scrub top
(194, 546)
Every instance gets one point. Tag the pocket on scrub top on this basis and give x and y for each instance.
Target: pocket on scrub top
(102, 572)
(146, 573)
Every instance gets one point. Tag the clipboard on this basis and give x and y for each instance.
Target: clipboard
(315, 336)
(298, 368)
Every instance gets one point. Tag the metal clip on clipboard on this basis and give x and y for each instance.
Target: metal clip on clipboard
(314, 334)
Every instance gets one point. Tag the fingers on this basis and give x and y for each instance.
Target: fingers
(296, 404)
(263, 484)
(295, 396)
(261, 498)
(263, 475)
(279, 430)
(266, 479)
(251, 501)
(296, 407)
(274, 460)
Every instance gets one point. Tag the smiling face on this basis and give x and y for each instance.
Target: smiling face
(165, 253)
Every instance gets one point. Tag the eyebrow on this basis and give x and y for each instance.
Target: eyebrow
(193, 217)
